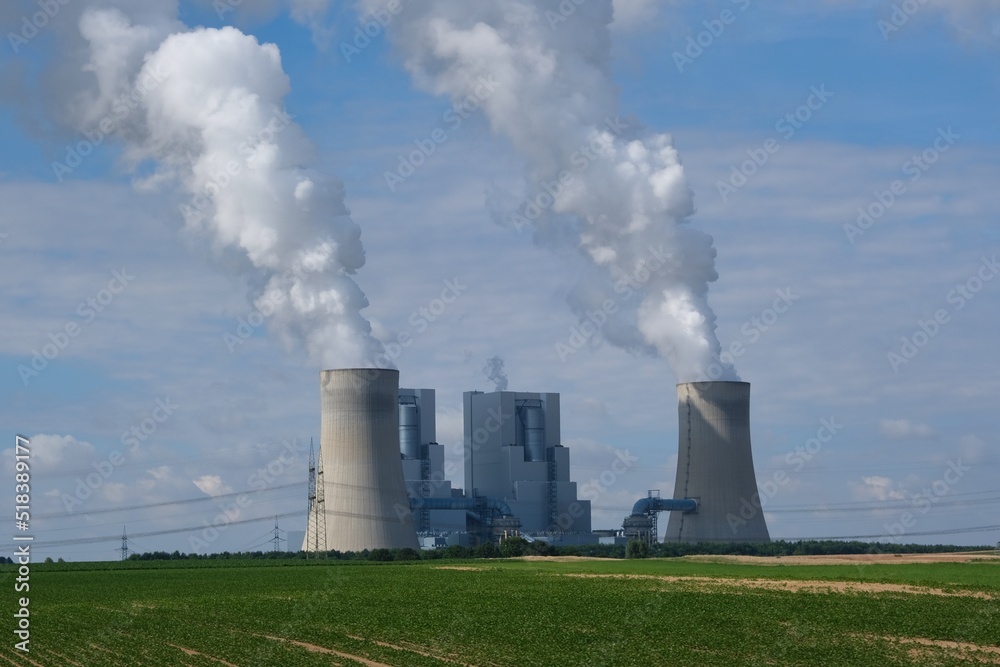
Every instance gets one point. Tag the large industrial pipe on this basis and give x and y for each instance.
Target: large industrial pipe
(365, 495)
(715, 466)
(470, 504)
(654, 504)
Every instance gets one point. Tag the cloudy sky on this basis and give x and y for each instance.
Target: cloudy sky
(842, 155)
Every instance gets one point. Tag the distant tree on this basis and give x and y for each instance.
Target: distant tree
(513, 547)
(456, 551)
(487, 550)
(637, 549)
(60, 560)
(49, 560)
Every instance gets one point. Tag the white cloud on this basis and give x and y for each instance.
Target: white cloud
(904, 429)
(56, 453)
(212, 485)
(876, 487)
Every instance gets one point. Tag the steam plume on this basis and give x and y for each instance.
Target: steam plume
(494, 372)
(208, 116)
(619, 194)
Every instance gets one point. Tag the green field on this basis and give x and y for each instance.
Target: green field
(518, 613)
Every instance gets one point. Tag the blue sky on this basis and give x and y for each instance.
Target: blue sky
(906, 427)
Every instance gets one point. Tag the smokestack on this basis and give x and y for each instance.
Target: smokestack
(715, 466)
(364, 493)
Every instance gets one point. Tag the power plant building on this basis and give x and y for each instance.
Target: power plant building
(513, 453)
(423, 462)
(380, 476)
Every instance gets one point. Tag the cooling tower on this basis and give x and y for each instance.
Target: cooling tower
(364, 493)
(715, 466)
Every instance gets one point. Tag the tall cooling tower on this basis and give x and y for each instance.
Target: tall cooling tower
(364, 493)
(715, 466)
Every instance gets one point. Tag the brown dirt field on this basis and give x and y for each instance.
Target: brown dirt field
(851, 559)
(794, 585)
(929, 648)
(457, 567)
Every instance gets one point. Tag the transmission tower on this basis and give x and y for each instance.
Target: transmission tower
(276, 540)
(316, 530)
(124, 547)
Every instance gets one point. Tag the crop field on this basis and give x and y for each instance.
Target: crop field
(685, 612)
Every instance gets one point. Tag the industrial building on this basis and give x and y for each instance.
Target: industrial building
(380, 478)
(513, 452)
(423, 463)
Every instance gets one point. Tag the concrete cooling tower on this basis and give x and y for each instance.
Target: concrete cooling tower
(363, 490)
(715, 466)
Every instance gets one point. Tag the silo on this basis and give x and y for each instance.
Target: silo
(715, 466)
(364, 494)
(534, 432)
(409, 429)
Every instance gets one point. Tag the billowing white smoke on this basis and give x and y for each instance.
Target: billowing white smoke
(209, 118)
(623, 196)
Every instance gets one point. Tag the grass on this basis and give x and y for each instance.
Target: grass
(519, 613)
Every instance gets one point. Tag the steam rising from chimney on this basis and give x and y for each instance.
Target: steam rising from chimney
(618, 195)
(494, 371)
(206, 114)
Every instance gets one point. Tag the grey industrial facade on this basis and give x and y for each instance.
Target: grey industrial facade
(513, 452)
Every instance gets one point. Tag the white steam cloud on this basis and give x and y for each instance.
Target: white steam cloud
(616, 194)
(206, 116)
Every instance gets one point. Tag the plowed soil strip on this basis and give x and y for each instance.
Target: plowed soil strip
(413, 648)
(328, 651)
(984, 654)
(795, 585)
(192, 652)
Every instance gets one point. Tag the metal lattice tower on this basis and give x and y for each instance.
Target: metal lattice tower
(317, 513)
(276, 540)
(124, 547)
